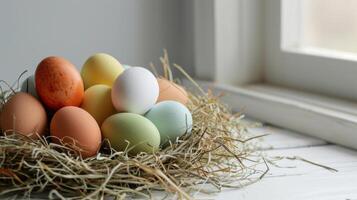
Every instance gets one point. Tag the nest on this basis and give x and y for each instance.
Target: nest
(217, 153)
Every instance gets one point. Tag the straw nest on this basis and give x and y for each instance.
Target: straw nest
(216, 153)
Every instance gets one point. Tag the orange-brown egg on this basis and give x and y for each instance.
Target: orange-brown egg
(24, 114)
(76, 127)
(58, 83)
(171, 91)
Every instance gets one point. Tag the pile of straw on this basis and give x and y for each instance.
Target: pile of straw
(217, 153)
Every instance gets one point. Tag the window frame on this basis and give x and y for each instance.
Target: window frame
(236, 52)
(286, 64)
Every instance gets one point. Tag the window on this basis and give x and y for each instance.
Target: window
(322, 25)
(312, 45)
(291, 63)
(329, 24)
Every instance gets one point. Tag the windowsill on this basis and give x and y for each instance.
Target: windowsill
(321, 52)
(329, 103)
(330, 119)
(294, 179)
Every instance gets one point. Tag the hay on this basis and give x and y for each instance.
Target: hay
(217, 152)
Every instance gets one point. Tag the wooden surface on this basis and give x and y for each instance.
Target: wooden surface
(295, 179)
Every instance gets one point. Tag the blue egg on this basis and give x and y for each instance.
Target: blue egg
(29, 86)
(172, 119)
(126, 67)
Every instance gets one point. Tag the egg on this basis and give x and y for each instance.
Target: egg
(101, 68)
(135, 91)
(58, 83)
(28, 86)
(75, 126)
(24, 114)
(172, 119)
(171, 91)
(0, 121)
(141, 134)
(126, 67)
(98, 102)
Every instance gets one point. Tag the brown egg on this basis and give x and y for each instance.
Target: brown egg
(171, 91)
(75, 126)
(24, 114)
(0, 120)
(58, 83)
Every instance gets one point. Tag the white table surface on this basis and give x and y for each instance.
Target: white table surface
(302, 181)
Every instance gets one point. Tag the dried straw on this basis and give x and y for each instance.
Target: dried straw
(216, 153)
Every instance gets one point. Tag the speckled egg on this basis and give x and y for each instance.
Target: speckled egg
(131, 131)
(58, 83)
(172, 119)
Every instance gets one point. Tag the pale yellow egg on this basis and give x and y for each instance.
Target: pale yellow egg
(97, 102)
(100, 68)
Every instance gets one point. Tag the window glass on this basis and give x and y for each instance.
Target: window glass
(330, 24)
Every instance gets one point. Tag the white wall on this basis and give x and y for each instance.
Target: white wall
(134, 31)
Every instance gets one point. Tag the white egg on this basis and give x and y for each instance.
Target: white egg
(136, 90)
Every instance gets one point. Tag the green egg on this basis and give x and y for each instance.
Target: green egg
(141, 133)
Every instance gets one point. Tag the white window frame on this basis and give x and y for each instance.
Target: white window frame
(238, 47)
(314, 70)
